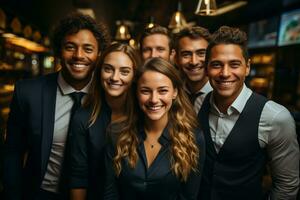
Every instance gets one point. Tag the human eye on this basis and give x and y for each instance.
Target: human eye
(69, 47)
(146, 49)
(89, 49)
(161, 49)
(107, 68)
(215, 64)
(235, 64)
(185, 54)
(144, 91)
(201, 53)
(125, 72)
(163, 91)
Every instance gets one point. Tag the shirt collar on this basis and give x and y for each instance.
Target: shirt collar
(67, 88)
(163, 139)
(205, 89)
(238, 104)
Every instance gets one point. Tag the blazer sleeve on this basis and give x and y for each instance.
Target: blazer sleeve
(14, 147)
(111, 189)
(79, 151)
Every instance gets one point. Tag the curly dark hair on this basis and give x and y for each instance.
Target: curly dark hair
(157, 29)
(228, 35)
(195, 32)
(75, 22)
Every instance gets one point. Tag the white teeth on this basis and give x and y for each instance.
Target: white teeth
(115, 86)
(79, 65)
(226, 83)
(154, 108)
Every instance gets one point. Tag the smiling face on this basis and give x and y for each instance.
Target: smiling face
(116, 74)
(155, 94)
(156, 45)
(227, 70)
(191, 57)
(78, 58)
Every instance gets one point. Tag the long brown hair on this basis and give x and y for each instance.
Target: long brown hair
(95, 96)
(181, 125)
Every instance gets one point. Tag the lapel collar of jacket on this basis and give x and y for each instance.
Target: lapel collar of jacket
(48, 103)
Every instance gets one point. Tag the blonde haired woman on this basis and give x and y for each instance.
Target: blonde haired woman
(162, 157)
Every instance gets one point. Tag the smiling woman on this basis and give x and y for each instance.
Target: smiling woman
(110, 102)
(158, 158)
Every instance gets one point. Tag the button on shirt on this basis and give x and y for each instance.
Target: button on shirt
(276, 133)
(157, 182)
(63, 106)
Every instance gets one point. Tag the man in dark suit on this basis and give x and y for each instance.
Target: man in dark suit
(37, 129)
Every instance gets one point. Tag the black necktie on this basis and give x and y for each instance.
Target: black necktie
(194, 96)
(76, 96)
(63, 186)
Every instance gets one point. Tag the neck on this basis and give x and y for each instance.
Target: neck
(195, 86)
(76, 84)
(116, 105)
(155, 127)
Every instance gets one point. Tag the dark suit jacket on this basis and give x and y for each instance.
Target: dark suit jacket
(87, 151)
(29, 131)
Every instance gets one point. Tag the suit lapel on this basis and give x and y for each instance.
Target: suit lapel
(48, 115)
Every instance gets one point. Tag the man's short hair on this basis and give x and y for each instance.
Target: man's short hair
(75, 22)
(157, 29)
(228, 35)
(194, 33)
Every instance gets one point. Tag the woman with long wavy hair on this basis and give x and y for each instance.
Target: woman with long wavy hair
(162, 156)
(108, 102)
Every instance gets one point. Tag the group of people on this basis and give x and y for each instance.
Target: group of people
(172, 121)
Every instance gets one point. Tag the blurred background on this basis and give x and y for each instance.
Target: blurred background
(273, 28)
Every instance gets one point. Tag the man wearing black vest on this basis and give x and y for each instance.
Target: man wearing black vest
(243, 130)
(41, 111)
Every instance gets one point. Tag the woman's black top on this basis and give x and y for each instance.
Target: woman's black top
(158, 182)
(87, 147)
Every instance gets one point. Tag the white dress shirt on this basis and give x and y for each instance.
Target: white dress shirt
(276, 133)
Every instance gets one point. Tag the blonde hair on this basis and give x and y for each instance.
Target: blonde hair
(182, 124)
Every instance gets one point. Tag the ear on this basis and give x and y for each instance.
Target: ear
(173, 55)
(175, 94)
(248, 67)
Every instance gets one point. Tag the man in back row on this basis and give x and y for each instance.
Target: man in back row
(243, 130)
(157, 41)
(190, 46)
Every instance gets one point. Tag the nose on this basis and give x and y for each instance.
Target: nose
(154, 97)
(193, 59)
(115, 76)
(225, 71)
(78, 53)
(154, 53)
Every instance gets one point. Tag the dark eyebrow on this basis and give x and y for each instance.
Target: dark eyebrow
(126, 67)
(107, 65)
(163, 87)
(238, 61)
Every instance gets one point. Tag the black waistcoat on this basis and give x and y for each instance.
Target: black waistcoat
(235, 173)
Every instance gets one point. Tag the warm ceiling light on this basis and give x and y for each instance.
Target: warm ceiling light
(229, 7)
(178, 20)
(22, 42)
(206, 7)
(122, 33)
(209, 7)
